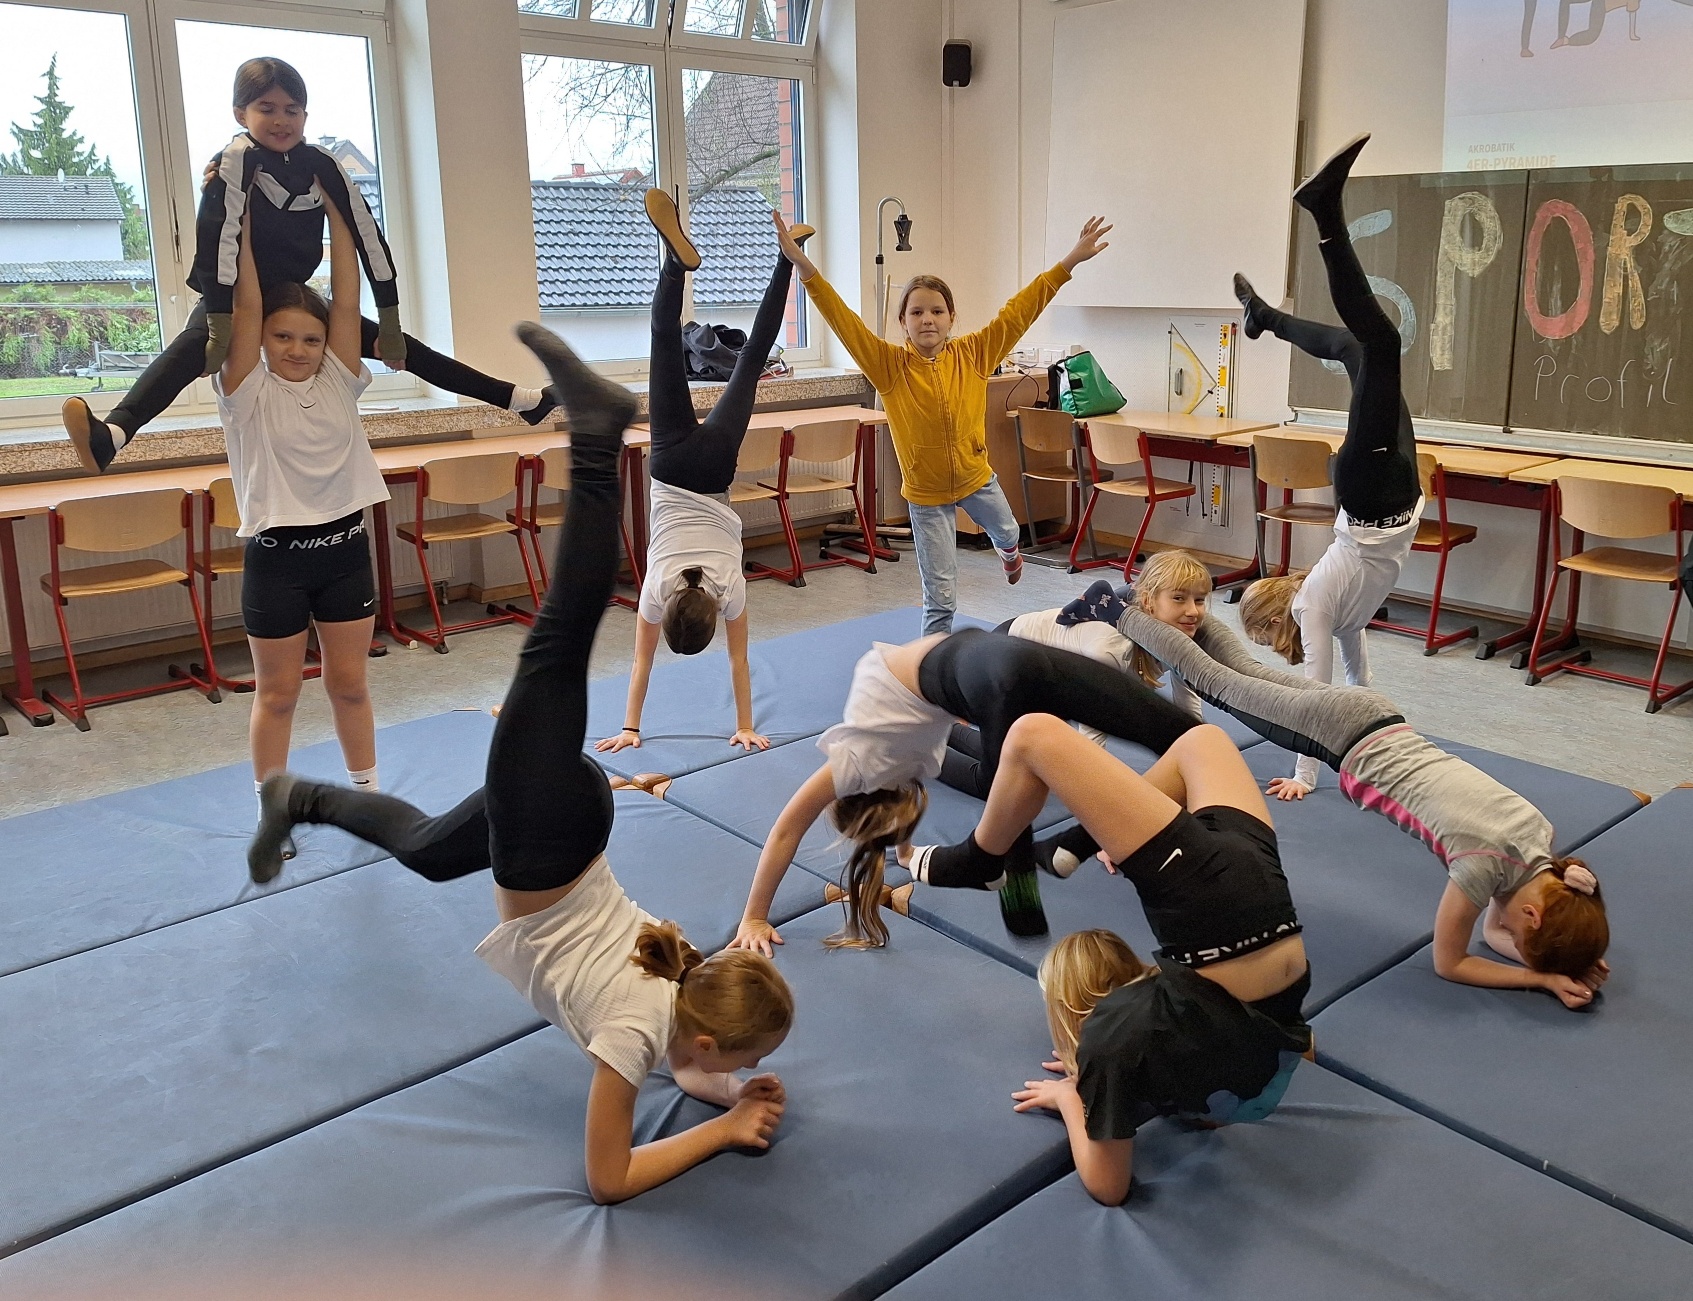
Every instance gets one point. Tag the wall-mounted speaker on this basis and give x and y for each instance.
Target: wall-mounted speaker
(955, 63)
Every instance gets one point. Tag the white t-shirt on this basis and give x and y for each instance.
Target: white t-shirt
(297, 451)
(886, 734)
(571, 961)
(690, 528)
(1100, 641)
(1341, 595)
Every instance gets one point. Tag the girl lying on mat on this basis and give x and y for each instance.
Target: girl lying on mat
(1543, 911)
(900, 713)
(1132, 1041)
(627, 988)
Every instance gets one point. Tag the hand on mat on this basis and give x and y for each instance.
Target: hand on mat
(1570, 992)
(1043, 1095)
(749, 740)
(766, 1086)
(757, 936)
(752, 1121)
(1598, 976)
(1288, 788)
(1090, 243)
(622, 741)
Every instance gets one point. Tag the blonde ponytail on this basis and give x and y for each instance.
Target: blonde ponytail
(662, 950)
(874, 821)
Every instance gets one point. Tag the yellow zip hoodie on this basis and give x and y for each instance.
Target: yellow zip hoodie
(937, 410)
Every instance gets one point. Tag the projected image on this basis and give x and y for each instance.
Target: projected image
(1568, 83)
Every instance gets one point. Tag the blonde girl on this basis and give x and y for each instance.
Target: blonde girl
(1132, 1041)
(935, 390)
(628, 989)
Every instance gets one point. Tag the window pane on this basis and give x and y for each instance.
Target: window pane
(552, 8)
(631, 13)
(780, 20)
(76, 263)
(590, 161)
(743, 135)
(342, 104)
(715, 17)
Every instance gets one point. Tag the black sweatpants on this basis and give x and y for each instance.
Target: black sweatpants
(183, 361)
(687, 452)
(993, 680)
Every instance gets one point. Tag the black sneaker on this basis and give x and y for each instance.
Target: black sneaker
(543, 409)
(90, 435)
(1323, 188)
(1019, 903)
(272, 842)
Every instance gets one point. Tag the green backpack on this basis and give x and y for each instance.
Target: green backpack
(1083, 389)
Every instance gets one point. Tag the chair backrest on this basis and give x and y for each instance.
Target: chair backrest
(823, 441)
(471, 480)
(1288, 461)
(1044, 430)
(760, 449)
(555, 468)
(226, 511)
(1427, 465)
(1114, 444)
(1616, 510)
(129, 522)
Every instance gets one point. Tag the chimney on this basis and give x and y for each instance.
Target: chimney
(578, 169)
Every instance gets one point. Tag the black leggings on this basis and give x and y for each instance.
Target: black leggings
(441, 848)
(1375, 470)
(700, 455)
(180, 364)
(994, 680)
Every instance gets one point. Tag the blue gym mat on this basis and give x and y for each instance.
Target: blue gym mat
(96, 871)
(1592, 1095)
(1339, 1194)
(899, 1140)
(134, 1063)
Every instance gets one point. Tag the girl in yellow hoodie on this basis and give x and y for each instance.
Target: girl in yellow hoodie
(935, 390)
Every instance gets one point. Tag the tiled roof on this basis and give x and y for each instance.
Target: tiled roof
(596, 249)
(47, 198)
(75, 273)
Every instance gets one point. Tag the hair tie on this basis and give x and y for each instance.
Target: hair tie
(1580, 879)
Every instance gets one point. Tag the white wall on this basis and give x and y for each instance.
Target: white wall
(60, 241)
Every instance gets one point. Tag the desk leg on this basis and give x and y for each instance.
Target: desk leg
(867, 494)
(1524, 635)
(384, 578)
(22, 694)
(637, 502)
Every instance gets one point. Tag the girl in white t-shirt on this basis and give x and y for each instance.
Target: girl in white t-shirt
(303, 471)
(694, 546)
(628, 989)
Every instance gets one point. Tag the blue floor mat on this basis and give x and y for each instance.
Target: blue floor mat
(1340, 1194)
(899, 1139)
(1592, 1095)
(130, 1065)
(96, 871)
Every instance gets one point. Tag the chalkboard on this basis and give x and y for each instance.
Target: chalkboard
(1444, 253)
(1605, 330)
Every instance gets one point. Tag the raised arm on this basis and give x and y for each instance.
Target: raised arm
(877, 358)
(991, 344)
(802, 810)
(247, 324)
(618, 1170)
(646, 647)
(348, 200)
(1454, 926)
(740, 674)
(345, 326)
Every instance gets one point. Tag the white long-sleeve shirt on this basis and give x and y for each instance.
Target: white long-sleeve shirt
(1340, 596)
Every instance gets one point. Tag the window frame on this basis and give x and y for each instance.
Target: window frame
(743, 43)
(668, 55)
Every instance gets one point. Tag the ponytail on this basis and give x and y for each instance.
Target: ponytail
(690, 615)
(874, 822)
(662, 950)
(735, 997)
(1574, 931)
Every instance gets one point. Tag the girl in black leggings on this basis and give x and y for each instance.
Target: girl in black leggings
(694, 551)
(628, 989)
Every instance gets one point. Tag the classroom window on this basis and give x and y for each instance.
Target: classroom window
(629, 13)
(715, 17)
(78, 290)
(780, 21)
(550, 8)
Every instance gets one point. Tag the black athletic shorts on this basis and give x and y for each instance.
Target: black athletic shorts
(320, 572)
(1212, 887)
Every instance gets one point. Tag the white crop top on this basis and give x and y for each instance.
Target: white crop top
(886, 735)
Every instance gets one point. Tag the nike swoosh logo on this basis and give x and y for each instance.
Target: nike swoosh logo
(372, 602)
(1172, 858)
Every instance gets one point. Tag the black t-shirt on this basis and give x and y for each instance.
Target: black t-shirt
(1177, 1044)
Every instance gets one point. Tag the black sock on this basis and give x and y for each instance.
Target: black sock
(965, 866)
(599, 410)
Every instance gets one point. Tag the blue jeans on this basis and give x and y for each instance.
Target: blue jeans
(934, 530)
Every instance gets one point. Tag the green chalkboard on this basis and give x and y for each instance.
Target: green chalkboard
(1605, 321)
(1444, 252)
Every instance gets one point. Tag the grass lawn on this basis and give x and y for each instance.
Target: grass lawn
(56, 386)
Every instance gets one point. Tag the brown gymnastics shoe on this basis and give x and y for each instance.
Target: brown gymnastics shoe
(898, 900)
(661, 211)
(799, 232)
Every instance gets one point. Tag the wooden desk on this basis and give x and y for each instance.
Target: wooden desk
(1189, 428)
(1659, 476)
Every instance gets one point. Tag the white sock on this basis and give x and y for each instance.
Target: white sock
(120, 436)
(258, 786)
(1064, 862)
(524, 399)
(364, 779)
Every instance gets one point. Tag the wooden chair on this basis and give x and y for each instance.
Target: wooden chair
(1051, 434)
(1117, 444)
(134, 521)
(529, 515)
(1613, 510)
(761, 452)
(1438, 536)
(461, 481)
(1291, 463)
(822, 442)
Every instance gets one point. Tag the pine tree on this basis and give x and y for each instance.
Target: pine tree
(48, 148)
